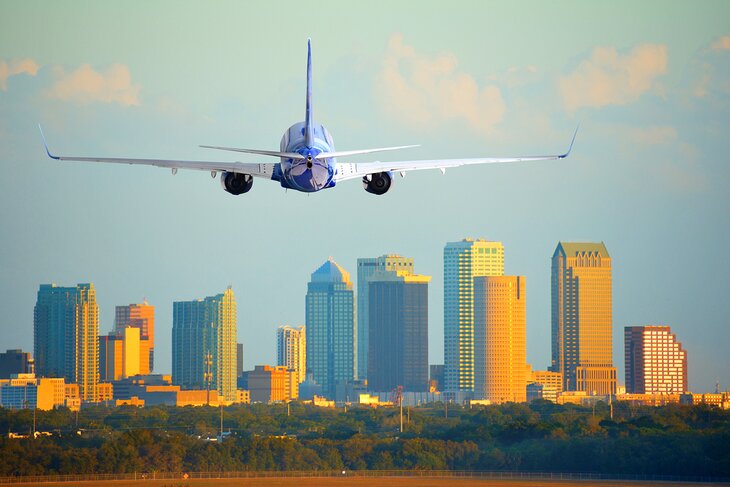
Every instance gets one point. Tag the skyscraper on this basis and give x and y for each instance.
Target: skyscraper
(365, 268)
(582, 317)
(463, 261)
(291, 350)
(140, 316)
(656, 363)
(398, 354)
(65, 332)
(500, 342)
(204, 344)
(330, 327)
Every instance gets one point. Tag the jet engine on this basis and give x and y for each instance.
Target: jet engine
(236, 183)
(378, 183)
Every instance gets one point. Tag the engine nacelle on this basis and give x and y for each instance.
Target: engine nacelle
(378, 183)
(236, 183)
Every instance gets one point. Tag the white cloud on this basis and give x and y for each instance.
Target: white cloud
(24, 66)
(610, 78)
(87, 85)
(654, 135)
(427, 91)
(723, 43)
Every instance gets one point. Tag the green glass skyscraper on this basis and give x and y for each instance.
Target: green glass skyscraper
(330, 325)
(204, 344)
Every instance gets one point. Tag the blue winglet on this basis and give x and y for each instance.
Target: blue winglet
(571, 143)
(45, 144)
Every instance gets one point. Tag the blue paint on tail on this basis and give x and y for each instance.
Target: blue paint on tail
(308, 122)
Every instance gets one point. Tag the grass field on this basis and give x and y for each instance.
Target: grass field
(362, 482)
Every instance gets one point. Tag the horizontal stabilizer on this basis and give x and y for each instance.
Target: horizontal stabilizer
(286, 155)
(328, 155)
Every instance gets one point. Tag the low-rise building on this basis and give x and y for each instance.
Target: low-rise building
(25, 391)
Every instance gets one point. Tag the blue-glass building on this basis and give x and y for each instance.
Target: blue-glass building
(330, 327)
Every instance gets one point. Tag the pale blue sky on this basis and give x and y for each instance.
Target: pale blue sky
(649, 84)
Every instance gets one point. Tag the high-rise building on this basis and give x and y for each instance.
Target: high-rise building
(291, 350)
(15, 362)
(330, 327)
(204, 344)
(140, 316)
(239, 360)
(500, 339)
(123, 354)
(656, 363)
(366, 267)
(66, 336)
(398, 315)
(582, 320)
(463, 261)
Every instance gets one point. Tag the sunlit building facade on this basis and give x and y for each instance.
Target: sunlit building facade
(500, 339)
(655, 361)
(582, 319)
(204, 344)
(330, 327)
(291, 350)
(123, 354)
(65, 335)
(141, 316)
(463, 261)
(366, 267)
(398, 354)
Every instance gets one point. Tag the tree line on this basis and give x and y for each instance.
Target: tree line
(541, 436)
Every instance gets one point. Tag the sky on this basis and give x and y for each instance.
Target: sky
(648, 83)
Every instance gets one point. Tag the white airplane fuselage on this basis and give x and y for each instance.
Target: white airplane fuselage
(309, 174)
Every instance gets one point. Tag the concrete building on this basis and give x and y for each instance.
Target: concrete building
(550, 384)
(655, 361)
(291, 350)
(398, 330)
(582, 319)
(122, 354)
(330, 327)
(366, 267)
(268, 384)
(463, 261)
(25, 391)
(66, 336)
(500, 339)
(15, 362)
(204, 344)
(141, 316)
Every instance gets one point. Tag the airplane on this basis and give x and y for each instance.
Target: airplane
(308, 160)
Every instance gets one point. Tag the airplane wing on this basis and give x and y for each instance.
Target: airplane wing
(257, 170)
(347, 171)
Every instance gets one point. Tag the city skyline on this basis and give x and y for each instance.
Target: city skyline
(331, 287)
(646, 174)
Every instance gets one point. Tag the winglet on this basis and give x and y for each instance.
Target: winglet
(308, 123)
(45, 144)
(563, 156)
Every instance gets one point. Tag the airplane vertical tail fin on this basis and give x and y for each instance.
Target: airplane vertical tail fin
(308, 122)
